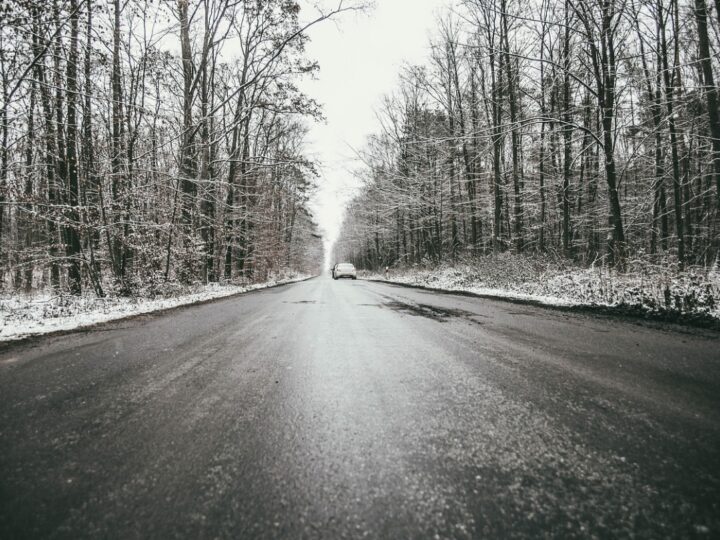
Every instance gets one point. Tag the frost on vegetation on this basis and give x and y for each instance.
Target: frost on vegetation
(26, 315)
(643, 288)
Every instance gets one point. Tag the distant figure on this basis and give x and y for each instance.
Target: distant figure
(387, 271)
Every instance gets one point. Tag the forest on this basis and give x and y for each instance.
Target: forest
(151, 142)
(584, 130)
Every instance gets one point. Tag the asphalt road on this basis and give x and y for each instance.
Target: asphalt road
(355, 409)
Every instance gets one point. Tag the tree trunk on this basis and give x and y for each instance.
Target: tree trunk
(116, 246)
(669, 100)
(567, 136)
(711, 91)
(514, 132)
(72, 248)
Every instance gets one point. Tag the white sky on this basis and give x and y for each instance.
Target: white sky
(360, 57)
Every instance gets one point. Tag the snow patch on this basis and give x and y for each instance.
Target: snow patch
(644, 289)
(24, 315)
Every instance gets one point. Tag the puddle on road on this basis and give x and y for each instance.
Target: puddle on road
(434, 313)
(304, 302)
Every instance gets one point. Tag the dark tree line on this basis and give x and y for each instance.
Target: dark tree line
(146, 141)
(585, 128)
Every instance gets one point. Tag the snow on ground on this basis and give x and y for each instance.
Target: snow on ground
(24, 315)
(659, 290)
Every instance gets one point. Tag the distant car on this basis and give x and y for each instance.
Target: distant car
(344, 270)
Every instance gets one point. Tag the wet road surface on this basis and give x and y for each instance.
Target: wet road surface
(355, 409)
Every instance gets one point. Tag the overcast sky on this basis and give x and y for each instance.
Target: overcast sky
(360, 57)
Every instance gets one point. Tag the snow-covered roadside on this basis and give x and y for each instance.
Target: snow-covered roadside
(690, 295)
(22, 316)
(444, 282)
